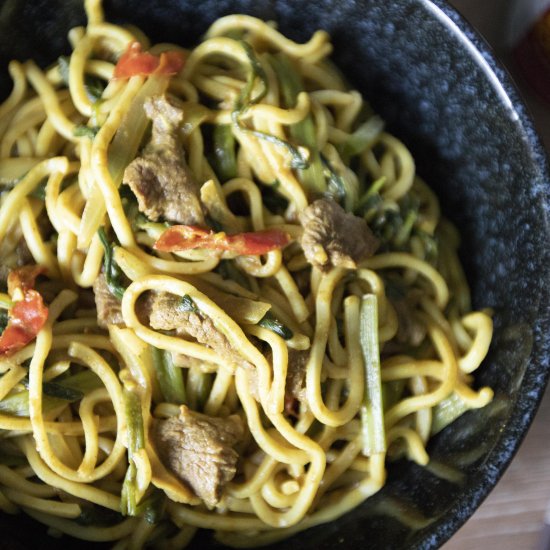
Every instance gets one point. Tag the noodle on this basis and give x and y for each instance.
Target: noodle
(323, 365)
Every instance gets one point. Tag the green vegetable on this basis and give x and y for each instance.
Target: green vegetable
(372, 411)
(136, 441)
(53, 389)
(299, 158)
(170, 378)
(228, 270)
(98, 516)
(203, 383)
(270, 322)
(255, 71)
(80, 384)
(363, 138)
(447, 411)
(188, 304)
(153, 507)
(94, 86)
(39, 192)
(113, 273)
(302, 132)
(81, 130)
(225, 160)
(4, 318)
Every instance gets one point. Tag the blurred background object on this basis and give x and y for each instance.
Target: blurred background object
(512, 517)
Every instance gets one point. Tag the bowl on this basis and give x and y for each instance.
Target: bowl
(436, 83)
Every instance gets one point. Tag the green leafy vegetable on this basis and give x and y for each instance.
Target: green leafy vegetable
(98, 516)
(363, 138)
(153, 507)
(81, 130)
(83, 382)
(271, 322)
(299, 157)
(188, 304)
(113, 273)
(303, 132)
(53, 389)
(94, 86)
(170, 378)
(372, 411)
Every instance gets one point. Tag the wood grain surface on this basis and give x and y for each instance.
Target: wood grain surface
(512, 516)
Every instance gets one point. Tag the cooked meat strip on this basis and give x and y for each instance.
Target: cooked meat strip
(198, 449)
(160, 177)
(333, 237)
(108, 306)
(166, 313)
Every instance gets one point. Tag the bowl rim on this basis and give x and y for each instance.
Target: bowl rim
(536, 376)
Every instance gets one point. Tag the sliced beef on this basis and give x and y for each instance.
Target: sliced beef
(108, 306)
(295, 390)
(296, 374)
(160, 177)
(166, 313)
(198, 449)
(333, 237)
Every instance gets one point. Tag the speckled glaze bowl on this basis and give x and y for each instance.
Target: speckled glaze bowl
(441, 91)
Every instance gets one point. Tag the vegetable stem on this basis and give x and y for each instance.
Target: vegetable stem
(136, 441)
(170, 377)
(372, 412)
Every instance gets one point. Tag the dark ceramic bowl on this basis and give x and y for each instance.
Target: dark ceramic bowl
(442, 92)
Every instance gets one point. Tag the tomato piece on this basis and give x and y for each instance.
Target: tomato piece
(27, 315)
(186, 237)
(135, 62)
(24, 277)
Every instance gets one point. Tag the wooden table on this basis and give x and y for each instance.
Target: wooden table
(511, 518)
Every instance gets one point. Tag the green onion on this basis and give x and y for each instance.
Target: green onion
(363, 138)
(302, 132)
(270, 322)
(39, 192)
(372, 412)
(136, 441)
(299, 159)
(170, 378)
(80, 384)
(447, 411)
(225, 161)
(53, 389)
(81, 130)
(113, 274)
(255, 71)
(298, 156)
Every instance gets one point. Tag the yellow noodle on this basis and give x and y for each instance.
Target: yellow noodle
(291, 361)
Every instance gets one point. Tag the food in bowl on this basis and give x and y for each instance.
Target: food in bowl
(229, 298)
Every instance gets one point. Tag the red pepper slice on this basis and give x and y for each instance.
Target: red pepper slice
(135, 62)
(26, 316)
(185, 237)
